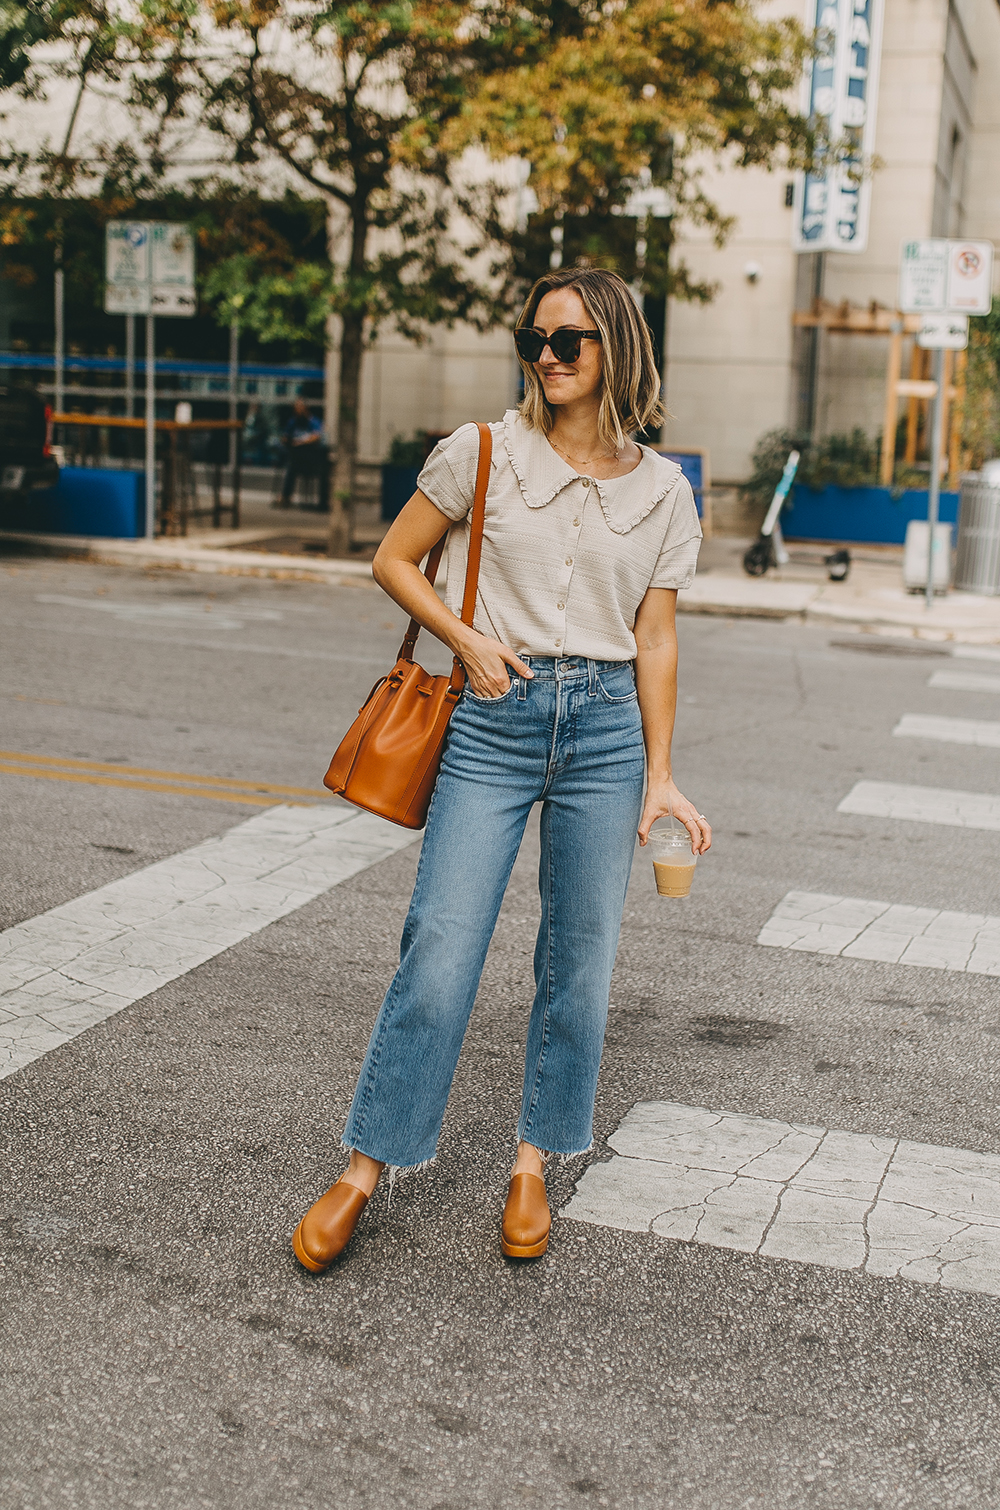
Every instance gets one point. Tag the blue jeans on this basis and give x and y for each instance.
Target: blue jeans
(571, 739)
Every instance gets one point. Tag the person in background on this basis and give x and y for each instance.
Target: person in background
(303, 436)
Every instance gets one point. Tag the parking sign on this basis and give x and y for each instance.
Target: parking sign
(939, 275)
(126, 266)
(970, 276)
(149, 269)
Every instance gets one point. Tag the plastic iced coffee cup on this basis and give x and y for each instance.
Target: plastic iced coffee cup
(673, 858)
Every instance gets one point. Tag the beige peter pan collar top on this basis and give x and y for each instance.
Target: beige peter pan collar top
(567, 559)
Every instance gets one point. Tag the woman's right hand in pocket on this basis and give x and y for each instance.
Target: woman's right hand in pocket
(489, 664)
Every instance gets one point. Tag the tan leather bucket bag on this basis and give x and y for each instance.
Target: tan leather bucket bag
(388, 760)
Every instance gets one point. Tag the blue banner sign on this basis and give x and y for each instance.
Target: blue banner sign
(832, 205)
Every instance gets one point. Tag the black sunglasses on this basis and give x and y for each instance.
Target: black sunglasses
(564, 342)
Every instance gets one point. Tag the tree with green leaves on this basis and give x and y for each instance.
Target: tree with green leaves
(22, 27)
(387, 111)
(378, 106)
(981, 398)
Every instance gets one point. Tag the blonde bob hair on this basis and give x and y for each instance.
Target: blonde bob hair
(630, 396)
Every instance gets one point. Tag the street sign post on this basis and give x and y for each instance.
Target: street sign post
(970, 277)
(171, 270)
(126, 267)
(943, 332)
(149, 270)
(945, 280)
(938, 275)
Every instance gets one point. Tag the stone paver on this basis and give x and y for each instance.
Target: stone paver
(883, 1206)
(893, 933)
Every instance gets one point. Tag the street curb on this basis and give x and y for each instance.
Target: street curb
(181, 556)
(737, 610)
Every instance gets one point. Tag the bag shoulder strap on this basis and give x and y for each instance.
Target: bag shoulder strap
(475, 555)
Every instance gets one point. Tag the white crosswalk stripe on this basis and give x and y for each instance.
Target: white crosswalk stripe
(922, 804)
(957, 731)
(895, 933)
(786, 1190)
(976, 652)
(78, 964)
(965, 681)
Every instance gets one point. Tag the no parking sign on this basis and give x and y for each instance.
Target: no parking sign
(939, 275)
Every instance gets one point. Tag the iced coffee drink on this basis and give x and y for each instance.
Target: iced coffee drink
(673, 858)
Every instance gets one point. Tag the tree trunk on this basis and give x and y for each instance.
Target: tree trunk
(342, 492)
(352, 336)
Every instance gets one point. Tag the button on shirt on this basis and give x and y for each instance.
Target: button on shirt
(624, 535)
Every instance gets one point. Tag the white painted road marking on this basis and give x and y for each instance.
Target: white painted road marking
(976, 652)
(956, 731)
(200, 613)
(923, 804)
(80, 963)
(785, 1190)
(965, 681)
(896, 934)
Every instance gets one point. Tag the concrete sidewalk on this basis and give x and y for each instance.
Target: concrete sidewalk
(873, 597)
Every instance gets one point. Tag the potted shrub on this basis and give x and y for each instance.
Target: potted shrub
(837, 495)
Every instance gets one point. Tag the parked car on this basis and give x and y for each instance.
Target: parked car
(26, 460)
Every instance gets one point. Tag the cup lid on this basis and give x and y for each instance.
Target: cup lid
(669, 828)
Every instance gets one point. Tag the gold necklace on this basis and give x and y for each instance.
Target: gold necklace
(579, 461)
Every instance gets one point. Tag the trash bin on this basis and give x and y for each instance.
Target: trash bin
(977, 568)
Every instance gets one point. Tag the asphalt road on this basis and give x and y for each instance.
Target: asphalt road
(159, 1346)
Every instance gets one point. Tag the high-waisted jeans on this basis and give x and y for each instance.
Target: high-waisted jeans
(571, 739)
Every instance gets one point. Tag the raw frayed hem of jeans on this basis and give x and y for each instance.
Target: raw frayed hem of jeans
(564, 1158)
(394, 1171)
(548, 1157)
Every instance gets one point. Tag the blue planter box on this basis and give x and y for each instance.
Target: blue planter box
(869, 516)
(398, 486)
(693, 466)
(85, 501)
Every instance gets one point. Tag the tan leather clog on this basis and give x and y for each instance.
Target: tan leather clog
(328, 1226)
(526, 1218)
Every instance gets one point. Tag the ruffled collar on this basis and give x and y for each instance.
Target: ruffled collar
(542, 474)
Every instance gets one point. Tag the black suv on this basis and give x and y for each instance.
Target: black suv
(25, 463)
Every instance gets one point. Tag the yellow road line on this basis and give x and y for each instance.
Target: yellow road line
(92, 779)
(103, 765)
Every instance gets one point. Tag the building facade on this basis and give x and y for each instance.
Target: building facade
(737, 367)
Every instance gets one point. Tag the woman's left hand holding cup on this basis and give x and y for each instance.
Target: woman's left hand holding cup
(663, 799)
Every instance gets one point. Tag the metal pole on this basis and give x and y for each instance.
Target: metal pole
(60, 310)
(812, 366)
(933, 492)
(130, 366)
(150, 426)
(234, 379)
(887, 463)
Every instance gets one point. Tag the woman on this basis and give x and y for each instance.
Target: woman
(572, 676)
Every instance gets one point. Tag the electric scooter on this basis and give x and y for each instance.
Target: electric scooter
(769, 547)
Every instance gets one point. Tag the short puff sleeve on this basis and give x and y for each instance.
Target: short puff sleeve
(448, 476)
(675, 565)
